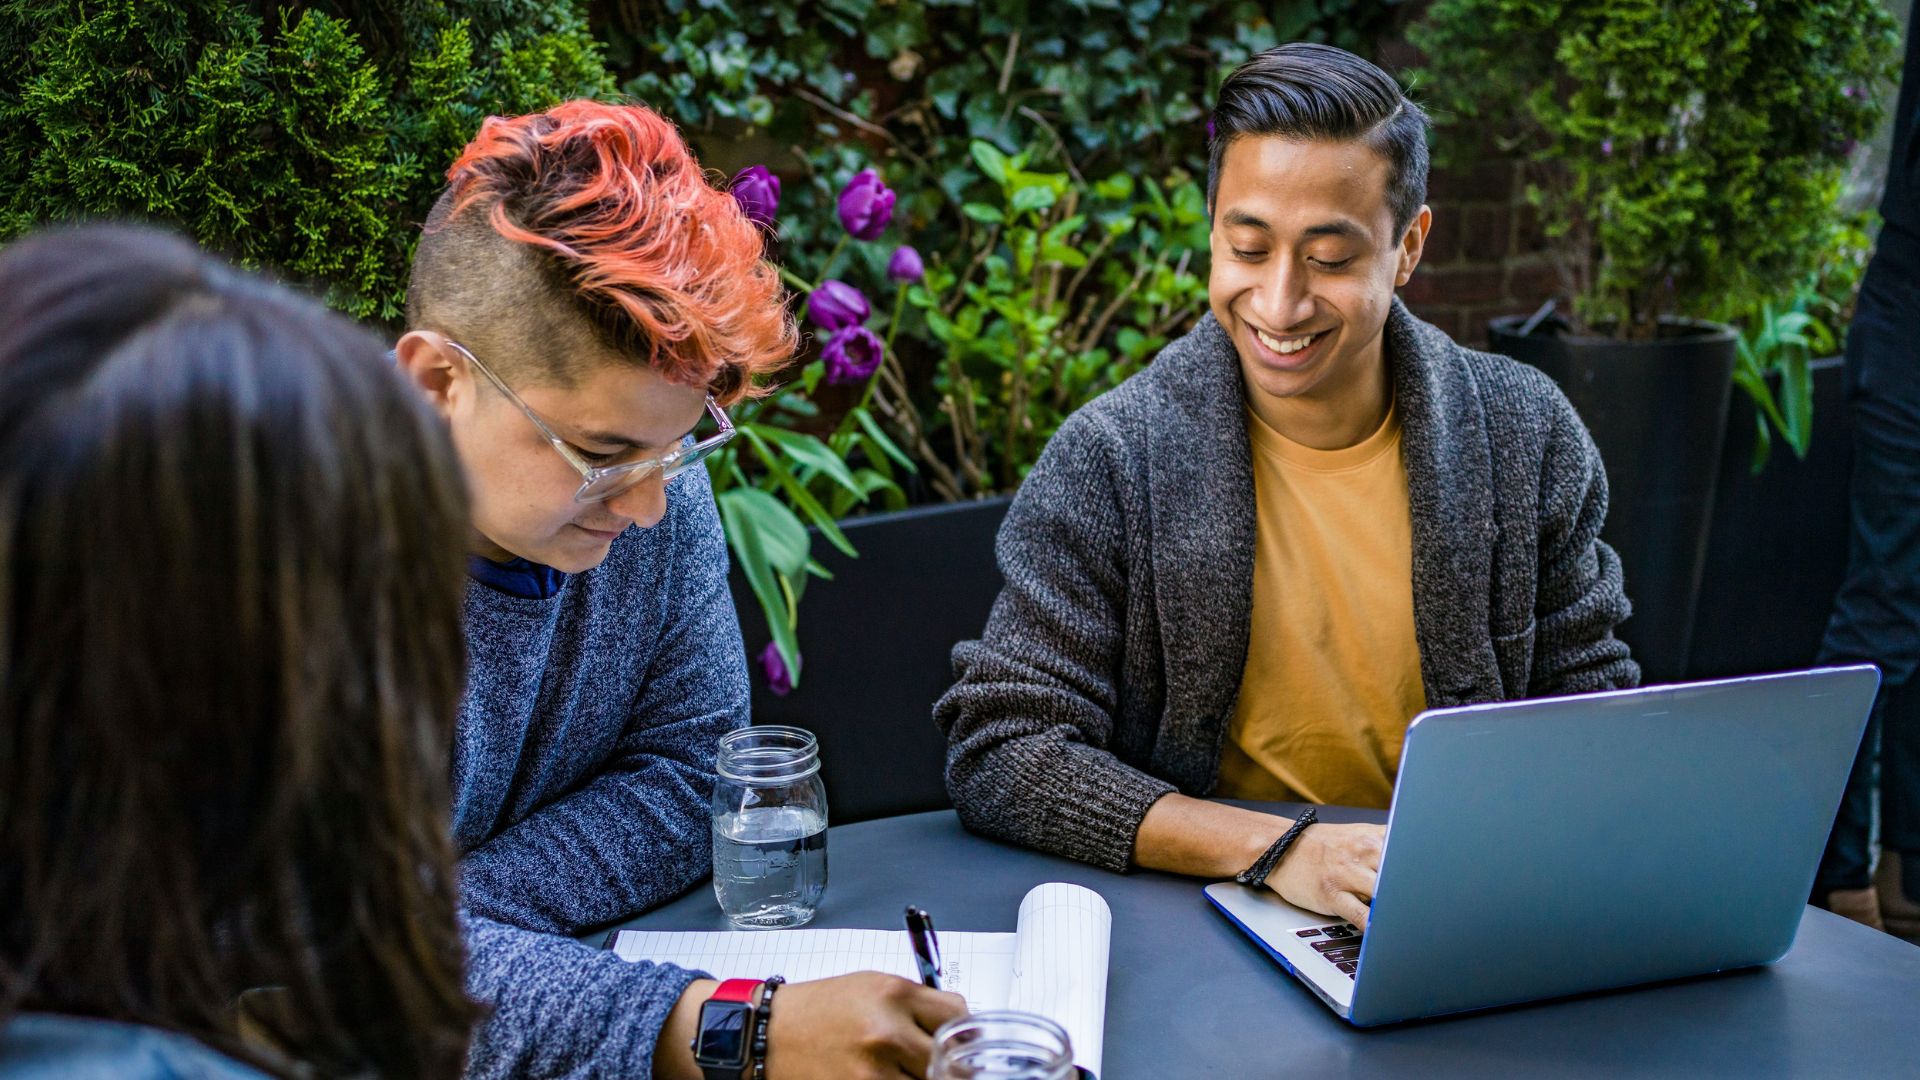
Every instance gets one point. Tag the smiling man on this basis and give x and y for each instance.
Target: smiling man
(1246, 569)
(583, 305)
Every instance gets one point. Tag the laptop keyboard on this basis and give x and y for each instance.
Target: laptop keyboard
(1338, 942)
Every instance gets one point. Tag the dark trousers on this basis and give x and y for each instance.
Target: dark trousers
(1876, 615)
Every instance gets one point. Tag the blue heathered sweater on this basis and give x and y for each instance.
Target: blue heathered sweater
(582, 770)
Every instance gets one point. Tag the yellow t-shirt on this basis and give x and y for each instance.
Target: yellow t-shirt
(1333, 668)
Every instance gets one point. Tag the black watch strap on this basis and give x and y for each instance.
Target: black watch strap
(1256, 875)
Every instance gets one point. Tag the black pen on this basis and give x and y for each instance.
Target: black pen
(926, 947)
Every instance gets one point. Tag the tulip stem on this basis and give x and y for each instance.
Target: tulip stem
(826, 268)
(899, 305)
(795, 280)
(866, 396)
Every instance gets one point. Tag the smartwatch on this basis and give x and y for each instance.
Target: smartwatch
(723, 1046)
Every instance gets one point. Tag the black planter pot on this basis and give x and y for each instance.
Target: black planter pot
(1657, 411)
(1778, 547)
(875, 644)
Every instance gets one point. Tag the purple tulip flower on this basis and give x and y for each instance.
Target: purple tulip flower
(775, 669)
(852, 354)
(758, 193)
(836, 305)
(905, 267)
(866, 206)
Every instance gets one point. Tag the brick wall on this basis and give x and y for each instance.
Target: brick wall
(1486, 254)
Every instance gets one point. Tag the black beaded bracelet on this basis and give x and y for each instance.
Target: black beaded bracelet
(761, 1017)
(1256, 874)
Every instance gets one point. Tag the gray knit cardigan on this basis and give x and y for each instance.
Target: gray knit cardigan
(1111, 661)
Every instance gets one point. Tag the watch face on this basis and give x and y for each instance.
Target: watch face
(723, 1033)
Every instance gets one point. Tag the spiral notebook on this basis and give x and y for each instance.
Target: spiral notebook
(1054, 964)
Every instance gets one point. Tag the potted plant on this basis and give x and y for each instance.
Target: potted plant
(1794, 398)
(1690, 165)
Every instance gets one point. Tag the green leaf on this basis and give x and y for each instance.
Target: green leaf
(1059, 233)
(743, 515)
(992, 162)
(1117, 187)
(799, 496)
(1033, 198)
(1064, 255)
(1762, 445)
(809, 451)
(1796, 399)
(878, 437)
(991, 215)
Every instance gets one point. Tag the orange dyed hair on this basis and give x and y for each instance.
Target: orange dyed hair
(664, 265)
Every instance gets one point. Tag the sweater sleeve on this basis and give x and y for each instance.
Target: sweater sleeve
(1581, 595)
(1031, 714)
(557, 1008)
(640, 832)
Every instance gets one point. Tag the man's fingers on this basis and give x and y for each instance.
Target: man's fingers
(935, 1007)
(1351, 908)
(917, 1046)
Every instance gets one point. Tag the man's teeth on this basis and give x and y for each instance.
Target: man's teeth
(1285, 346)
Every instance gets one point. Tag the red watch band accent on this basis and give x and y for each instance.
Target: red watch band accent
(740, 990)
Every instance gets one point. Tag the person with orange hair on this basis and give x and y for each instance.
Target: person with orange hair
(584, 305)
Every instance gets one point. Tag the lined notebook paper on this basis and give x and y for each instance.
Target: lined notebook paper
(1054, 964)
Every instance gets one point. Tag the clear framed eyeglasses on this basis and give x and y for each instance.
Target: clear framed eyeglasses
(601, 482)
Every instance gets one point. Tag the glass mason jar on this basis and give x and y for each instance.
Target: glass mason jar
(769, 827)
(1001, 1046)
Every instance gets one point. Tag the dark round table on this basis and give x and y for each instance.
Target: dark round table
(1188, 995)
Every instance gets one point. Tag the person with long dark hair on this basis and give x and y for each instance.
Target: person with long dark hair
(231, 563)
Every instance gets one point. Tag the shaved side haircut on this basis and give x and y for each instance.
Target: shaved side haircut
(590, 229)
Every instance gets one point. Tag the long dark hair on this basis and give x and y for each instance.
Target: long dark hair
(230, 655)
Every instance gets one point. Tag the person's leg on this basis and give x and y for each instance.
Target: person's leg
(1877, 611)
(1898, 882)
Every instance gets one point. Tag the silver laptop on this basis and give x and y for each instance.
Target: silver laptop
(1562, 845)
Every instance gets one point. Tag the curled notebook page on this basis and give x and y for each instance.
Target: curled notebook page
(1060, 964)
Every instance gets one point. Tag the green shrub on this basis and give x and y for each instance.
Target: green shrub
(312, 143)
(1693, 150)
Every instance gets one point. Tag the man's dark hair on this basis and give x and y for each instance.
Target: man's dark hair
(1306, 91)
(231, 555)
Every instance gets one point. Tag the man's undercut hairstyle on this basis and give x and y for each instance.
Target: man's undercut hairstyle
(591, 228)
(1305, 91)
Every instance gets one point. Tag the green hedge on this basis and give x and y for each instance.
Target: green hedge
(311, 137)
(312, 141)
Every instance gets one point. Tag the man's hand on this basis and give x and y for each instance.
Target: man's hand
(856, 1026)
(1331, 869)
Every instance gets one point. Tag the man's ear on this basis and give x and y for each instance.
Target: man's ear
(433, 367)
(1412, 244)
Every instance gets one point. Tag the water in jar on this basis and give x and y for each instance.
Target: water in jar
(770, 865)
